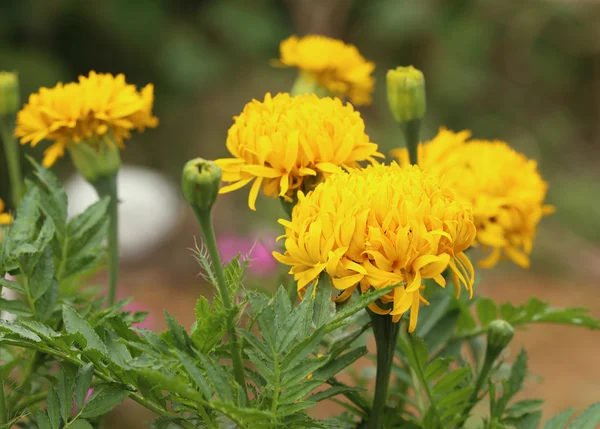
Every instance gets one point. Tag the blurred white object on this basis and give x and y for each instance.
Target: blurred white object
(149, 210)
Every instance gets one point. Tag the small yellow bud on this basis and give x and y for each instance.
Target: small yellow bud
(406, 93)
(9, 93)
(200, 182)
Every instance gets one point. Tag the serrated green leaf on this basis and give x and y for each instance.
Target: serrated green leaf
(455, 400)
(42, 330)
(75, 324)
(23, 228)
(303, 349)
(286, 410)
(283, 309)
(195, 374)
(178, 333)
(331, 392)
(335, 366)
(53, 408)
(15, 306)
(88, 220)
(64, 389)
(289, 331)
(560, 420)
(414, 349)
(518, 372)
(430, 315)
(527, 421)
(299, 391)
(17, 329)
(82, 264)
(439, 335)
(54, 197)
(259, 347)
(487, 311)
(306, 309)
(451, 381)
(42, 420)
(437, 368)
(363, 301)
(83, 382)
(217, 377)
(209, 328)
(104, 399)
(588, 419)
(261, 365)
(294, 375)
(324, 307)
(46, 305)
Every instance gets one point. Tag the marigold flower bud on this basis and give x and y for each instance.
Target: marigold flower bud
(9, 93)
(200, 183)
(500, 333)
(406, 93)
(96, 161)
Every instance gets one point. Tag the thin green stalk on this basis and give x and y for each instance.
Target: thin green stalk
(107, 186)
(204, 218)
(481, 378)
(11, 151)
(411, 131)
(386, 334)
(3, 408)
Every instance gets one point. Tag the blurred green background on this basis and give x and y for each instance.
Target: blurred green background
(527, 72)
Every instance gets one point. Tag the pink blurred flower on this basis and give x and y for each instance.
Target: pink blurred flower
(258, 252)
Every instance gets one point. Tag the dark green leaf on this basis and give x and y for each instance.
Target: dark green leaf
(451, 381)
(324, 307)
(5, 283)
(46, 305)
(104, 399)
(16, 329)
(331, 392)
(53, 408)
(209, 328)
(437, 368)
(299, 391)
(42, 420)
(247, 415)
(83, 382)
(217, 377)
(430, 315)
(517, 373)
(526, 406)
(15, 306)
(54, 197)
(303, 349)
(65, 394)
(283, 309)
(195, 375)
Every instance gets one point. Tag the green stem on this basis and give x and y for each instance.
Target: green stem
(107, 187)
(488, 363)
(386, 334)
(11, 150)
(411, 131)
(206, 226)
(3, 409)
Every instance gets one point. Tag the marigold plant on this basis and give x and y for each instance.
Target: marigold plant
(380, 226)
(333, 64)
(98, 108)
(504, 187)
(285, 144)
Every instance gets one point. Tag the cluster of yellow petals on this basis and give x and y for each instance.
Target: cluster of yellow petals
(504, 187)
(5, 218)
(380, 226)
(286, 144)
(335, 65)
(98, 108)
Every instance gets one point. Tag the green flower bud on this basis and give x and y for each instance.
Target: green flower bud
(9, 93)
(200, 183)
(406, 93)
(95, 161)
(500, 333)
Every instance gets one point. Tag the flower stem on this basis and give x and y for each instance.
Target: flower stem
(11, 151)
(411, 131)
(206, 226)
(3, 409)
(107, 186)
(386, 334)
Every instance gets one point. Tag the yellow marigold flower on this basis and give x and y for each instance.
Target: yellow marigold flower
(379, 226)
(99, 108)
(5, 218)
(335, 65)
(289, 143)
(504, 187)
